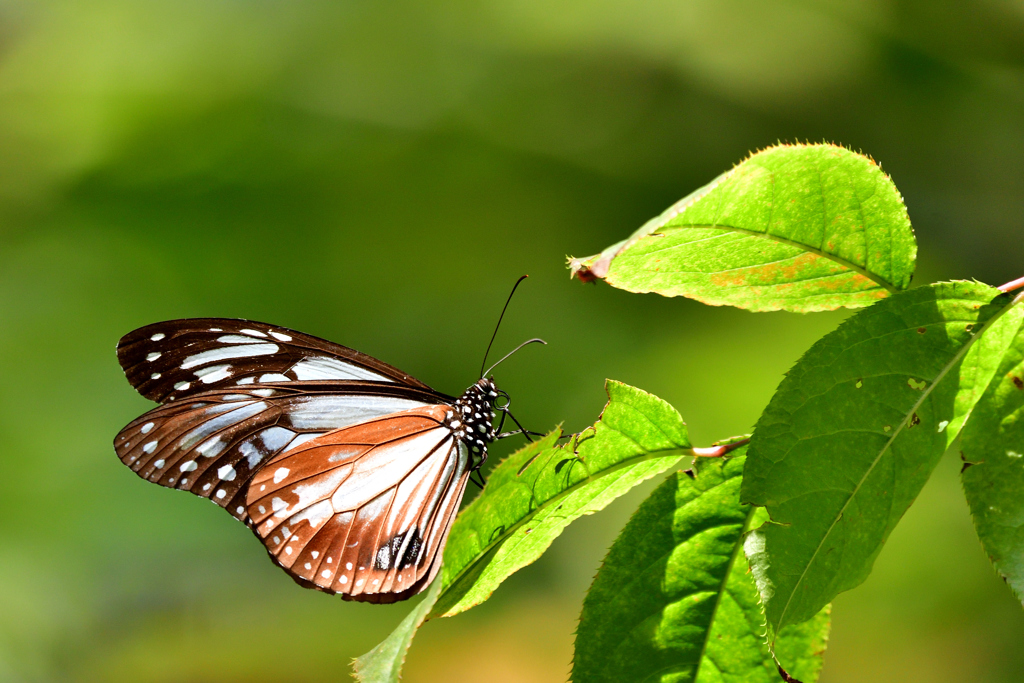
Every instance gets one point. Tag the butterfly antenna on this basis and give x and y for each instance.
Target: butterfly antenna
(507, 301)
(528, 341)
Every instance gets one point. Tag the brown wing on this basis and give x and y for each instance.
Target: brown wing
(179, 358)
(364, 511)
(212, 444)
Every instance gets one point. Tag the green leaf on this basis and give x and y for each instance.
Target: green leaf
(534, 494)
(992, 444)
(794, 227)
(853, 433)
(674, 601)
(383, 664)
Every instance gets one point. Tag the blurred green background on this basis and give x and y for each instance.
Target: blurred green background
(379, 173)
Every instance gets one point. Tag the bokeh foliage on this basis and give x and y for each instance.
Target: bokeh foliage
(379, 174)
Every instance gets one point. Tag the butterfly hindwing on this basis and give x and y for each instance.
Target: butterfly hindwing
(212, 444)
(178, 358)
(364, 511)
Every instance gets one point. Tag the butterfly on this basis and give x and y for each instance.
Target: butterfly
(349, 470)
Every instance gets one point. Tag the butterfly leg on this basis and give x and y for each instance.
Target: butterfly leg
(479, 476)
(522, 430)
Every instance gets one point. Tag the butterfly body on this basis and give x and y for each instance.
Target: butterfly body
(347, 469)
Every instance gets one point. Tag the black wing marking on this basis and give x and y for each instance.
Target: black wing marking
(211, 444)
(180, 358)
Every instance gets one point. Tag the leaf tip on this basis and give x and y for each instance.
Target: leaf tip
(590, 268)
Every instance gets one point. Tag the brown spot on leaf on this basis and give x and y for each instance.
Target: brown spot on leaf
(1017, 381)
(914, 421)
(921, 330)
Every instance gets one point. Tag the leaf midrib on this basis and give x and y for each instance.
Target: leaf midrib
(622, 464)
(896, 432)
(736, 551)
(782, 240)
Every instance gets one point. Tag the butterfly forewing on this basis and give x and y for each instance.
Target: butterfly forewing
(179, 358)
(364, 511)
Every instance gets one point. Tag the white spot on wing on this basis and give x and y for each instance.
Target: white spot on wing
(155, 375)
(213, 373)
(211, 448)
(189, 466)
(153, 356)
(253, 333)
(146, 428)
(300, 439)
(226, 473)
(324, 367)
(181, 386)
(280, 508)
(316, 515)
(274, 377)
(159, 463)
(157, 337)
(335, 412)
(233, 414)
(240, 351)
(246, 380)
(279, 474)
(326, 573)
(237, 339)
(282, 337)
(221, 493)
(149, 447)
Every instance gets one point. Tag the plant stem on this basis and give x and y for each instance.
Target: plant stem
(1011, 285)
(718, 451)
